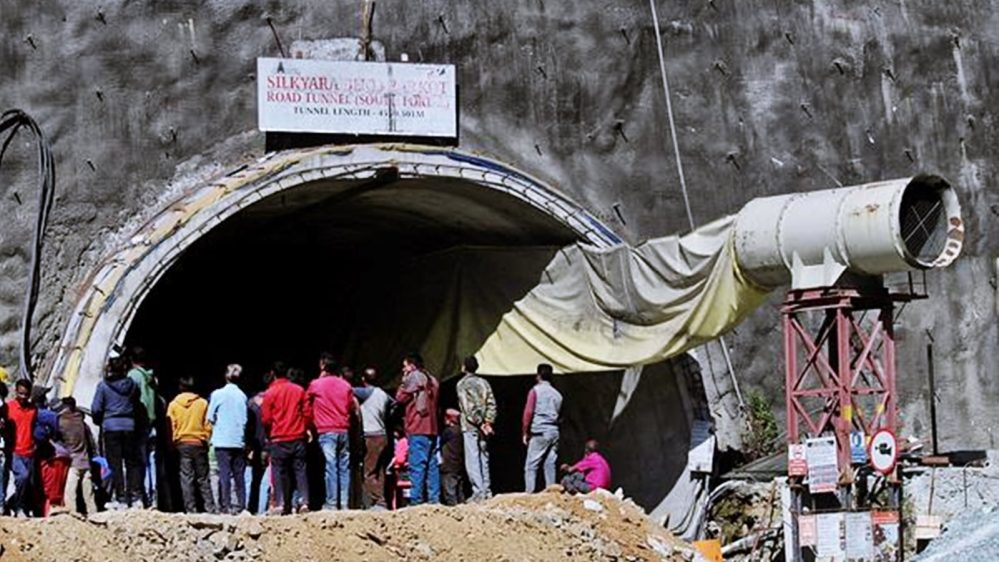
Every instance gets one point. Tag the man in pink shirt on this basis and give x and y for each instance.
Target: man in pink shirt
(333, 406)
(590, 473)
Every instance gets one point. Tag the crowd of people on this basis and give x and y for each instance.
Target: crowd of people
(234, 453)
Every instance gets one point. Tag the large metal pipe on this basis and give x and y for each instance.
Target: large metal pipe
(811, 239)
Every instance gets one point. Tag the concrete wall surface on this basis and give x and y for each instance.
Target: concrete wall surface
(144, 98)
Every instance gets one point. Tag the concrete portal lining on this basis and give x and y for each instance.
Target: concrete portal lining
(122, 280)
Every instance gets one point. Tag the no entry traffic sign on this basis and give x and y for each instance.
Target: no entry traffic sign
(883, 451)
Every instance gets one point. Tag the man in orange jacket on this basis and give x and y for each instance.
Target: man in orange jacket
(190, 432)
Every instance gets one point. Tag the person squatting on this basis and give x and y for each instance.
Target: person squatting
(229, 453)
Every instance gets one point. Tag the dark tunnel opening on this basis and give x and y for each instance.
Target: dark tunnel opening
(370, 270)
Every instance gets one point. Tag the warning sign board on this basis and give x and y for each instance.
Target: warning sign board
(823, 469)
(797, 465)
(883, 451)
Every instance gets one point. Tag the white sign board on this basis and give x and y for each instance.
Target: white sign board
(884, 451)
(830, 537)
(364, 98)
(859, 537)
(823, 470)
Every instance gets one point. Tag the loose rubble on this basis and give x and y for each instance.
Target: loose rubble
(546, 526)
(972, 536)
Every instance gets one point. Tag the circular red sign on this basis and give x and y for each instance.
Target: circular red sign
(883, 451)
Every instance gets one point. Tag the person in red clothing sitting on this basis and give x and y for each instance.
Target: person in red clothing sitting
(21, 414)
(286, 415)
(591, 472)
(397, 484)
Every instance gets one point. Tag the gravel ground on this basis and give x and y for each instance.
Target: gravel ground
(972, 536)
(955, 490)
(547, 526)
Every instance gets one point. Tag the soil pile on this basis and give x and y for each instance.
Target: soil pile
(546, 526)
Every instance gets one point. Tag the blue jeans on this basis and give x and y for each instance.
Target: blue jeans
(232, 469)
(424, 473)
(542, 450)
(336, 449)
(263, 491)
(148, 447)
(24, 477)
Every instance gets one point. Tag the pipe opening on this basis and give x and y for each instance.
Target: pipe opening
(923, 218)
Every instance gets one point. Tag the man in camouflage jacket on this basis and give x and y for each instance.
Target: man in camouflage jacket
(478, 413)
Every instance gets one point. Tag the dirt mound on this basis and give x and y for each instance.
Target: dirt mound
(547, 526)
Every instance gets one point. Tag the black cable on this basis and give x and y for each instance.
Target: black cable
(14, 120)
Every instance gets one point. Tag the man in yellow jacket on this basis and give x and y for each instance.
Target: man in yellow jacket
(190, 432)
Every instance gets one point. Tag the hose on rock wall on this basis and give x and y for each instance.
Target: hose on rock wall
(13, 121)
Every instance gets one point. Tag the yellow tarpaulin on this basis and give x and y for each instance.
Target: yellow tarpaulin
(607, 309)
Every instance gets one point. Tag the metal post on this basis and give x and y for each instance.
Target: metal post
(931, 375)
(844, 375)
(790, 379)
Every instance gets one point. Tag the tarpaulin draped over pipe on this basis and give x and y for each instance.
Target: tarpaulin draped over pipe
(607, 309)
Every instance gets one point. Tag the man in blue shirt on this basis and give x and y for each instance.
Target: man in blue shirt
(227, 414)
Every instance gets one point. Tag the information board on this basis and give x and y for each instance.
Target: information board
(859, 537)
(823, 470)
(362, 98)
(830, 537)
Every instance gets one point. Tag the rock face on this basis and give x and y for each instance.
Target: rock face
(141, 99)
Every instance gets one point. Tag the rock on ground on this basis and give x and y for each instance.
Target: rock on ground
(547, 526)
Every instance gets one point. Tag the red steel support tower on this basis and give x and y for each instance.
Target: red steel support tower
(839, 351)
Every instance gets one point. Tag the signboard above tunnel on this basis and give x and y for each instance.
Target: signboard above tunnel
(356, 98)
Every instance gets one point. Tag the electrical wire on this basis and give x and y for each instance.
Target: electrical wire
(13, 121)
(683, 182)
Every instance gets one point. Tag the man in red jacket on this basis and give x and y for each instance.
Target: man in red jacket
(286, 416)
(21, 414)
(333, 405)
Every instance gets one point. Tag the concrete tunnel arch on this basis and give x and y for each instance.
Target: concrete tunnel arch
(118, 286)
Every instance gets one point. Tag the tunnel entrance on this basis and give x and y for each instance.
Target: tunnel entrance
(368, 251)
(368, 269)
